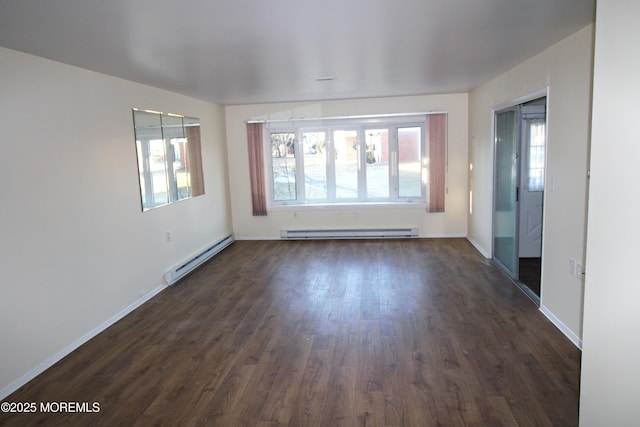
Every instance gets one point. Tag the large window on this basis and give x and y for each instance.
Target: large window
(169, 159)
(347, 161)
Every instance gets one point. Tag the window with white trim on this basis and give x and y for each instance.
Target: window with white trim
(381, 160)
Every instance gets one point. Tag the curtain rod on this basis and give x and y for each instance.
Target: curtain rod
(364, 116)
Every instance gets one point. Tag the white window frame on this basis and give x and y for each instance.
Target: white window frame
(359, 125)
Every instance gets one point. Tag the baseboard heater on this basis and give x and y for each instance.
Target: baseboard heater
(359, 233)
(175, 274)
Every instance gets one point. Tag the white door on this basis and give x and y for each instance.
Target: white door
(532, 180)
(530, 224)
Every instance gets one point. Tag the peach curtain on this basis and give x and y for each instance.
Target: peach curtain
(194, 160)
(256, 168)
(437, 130)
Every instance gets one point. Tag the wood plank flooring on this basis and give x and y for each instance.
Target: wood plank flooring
(411, 332)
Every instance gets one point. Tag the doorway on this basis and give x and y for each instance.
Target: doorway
(520, 152)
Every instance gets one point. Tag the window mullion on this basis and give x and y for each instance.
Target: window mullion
(424, 160)
(394, 160)
(362, 178)
(331, 166)
(299, 157)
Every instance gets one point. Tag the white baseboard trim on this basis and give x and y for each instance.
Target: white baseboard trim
(421, 236)
(479, 247)
(258, 237)
(563, 328)
(442, 236)
(52, 360)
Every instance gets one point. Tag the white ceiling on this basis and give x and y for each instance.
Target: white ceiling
(250, 51)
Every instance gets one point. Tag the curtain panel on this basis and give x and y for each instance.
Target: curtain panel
(437, 130)
(194, 160)
(256, 168)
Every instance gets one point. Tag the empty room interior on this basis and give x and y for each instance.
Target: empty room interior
(319, 213)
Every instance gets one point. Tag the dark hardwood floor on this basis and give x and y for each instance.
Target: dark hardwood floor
(413, 332)
(530, 273)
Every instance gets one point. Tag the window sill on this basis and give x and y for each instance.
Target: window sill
(349, 206)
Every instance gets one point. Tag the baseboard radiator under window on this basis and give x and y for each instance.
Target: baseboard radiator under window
(175, 274)
(371, 233)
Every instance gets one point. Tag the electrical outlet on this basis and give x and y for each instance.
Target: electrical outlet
(168, 236)
(572, 266)
(580, 271)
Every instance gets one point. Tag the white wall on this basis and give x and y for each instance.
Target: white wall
(565, 69)
(453, 222)
(75, 248)
(610, 367)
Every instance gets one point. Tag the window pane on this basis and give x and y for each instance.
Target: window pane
(141, 172)
(409, 162)
(151, 161)
(315, 165)
(192, 160)
(377, 161)
(536, 156)
(180, 171)
(158, 167)
(346, 163)
(284, 166)
(171, 131)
